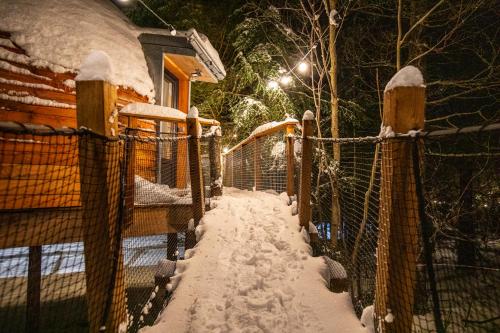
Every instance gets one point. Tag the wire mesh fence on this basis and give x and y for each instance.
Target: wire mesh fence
(260, 164)
(90, 227)
(444, 274)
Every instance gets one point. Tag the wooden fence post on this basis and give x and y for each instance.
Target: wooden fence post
(195, 172)
(215, 164)
(100, 195)
(34, 289)
(130, 153)
(305, 170)
(397, 249)
(257, 173)
(290, 160)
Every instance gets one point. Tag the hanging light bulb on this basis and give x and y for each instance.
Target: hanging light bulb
(173, 32)
(303, 67)
(225, 149)
(286, 80)
(272, 84)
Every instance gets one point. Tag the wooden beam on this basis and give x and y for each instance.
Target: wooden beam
(64, 225)
(398, 249)
(100, 186)
(40, 227)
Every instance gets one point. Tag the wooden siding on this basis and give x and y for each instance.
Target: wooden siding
(41, 173)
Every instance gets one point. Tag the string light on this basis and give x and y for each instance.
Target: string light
(303, 67)
(271, 84)
(225, 150)
(286, 80)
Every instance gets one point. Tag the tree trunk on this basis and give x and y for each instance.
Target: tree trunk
(334, 105)
(400, 32)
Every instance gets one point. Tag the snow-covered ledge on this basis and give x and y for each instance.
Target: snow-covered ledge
(158, 112)
(266, 129)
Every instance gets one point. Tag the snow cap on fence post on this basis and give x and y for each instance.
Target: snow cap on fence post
(193, 112)
(404, 101)
(409, 76)
(308, 115)
(96, 67)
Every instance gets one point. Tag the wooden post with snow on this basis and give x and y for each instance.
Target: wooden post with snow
(305, 170)
(195, 172)
(215, 163)
(290, 160)
(399, 219)
(100, 195)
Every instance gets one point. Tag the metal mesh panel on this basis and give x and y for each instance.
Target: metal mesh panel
(441, 198)
(462, 202)
(259, 164)
(158, 219)
(75, 205)
(357, 178)
(43, 261)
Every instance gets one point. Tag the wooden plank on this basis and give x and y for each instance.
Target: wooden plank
(19, 113)
(306, 172)
(26, 171)
(23, 201)
(40, 227)
(398, 249)
(64, 225)
(39, 186)
(40, 92)
(290, 161)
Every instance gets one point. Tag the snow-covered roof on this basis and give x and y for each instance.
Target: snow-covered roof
(59, 34)
(200, 43)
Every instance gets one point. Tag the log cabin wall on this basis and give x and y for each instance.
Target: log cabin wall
(29, 94)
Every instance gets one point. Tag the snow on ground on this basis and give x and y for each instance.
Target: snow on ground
(252, 272)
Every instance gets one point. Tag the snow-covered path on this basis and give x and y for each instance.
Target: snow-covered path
(252, 272)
